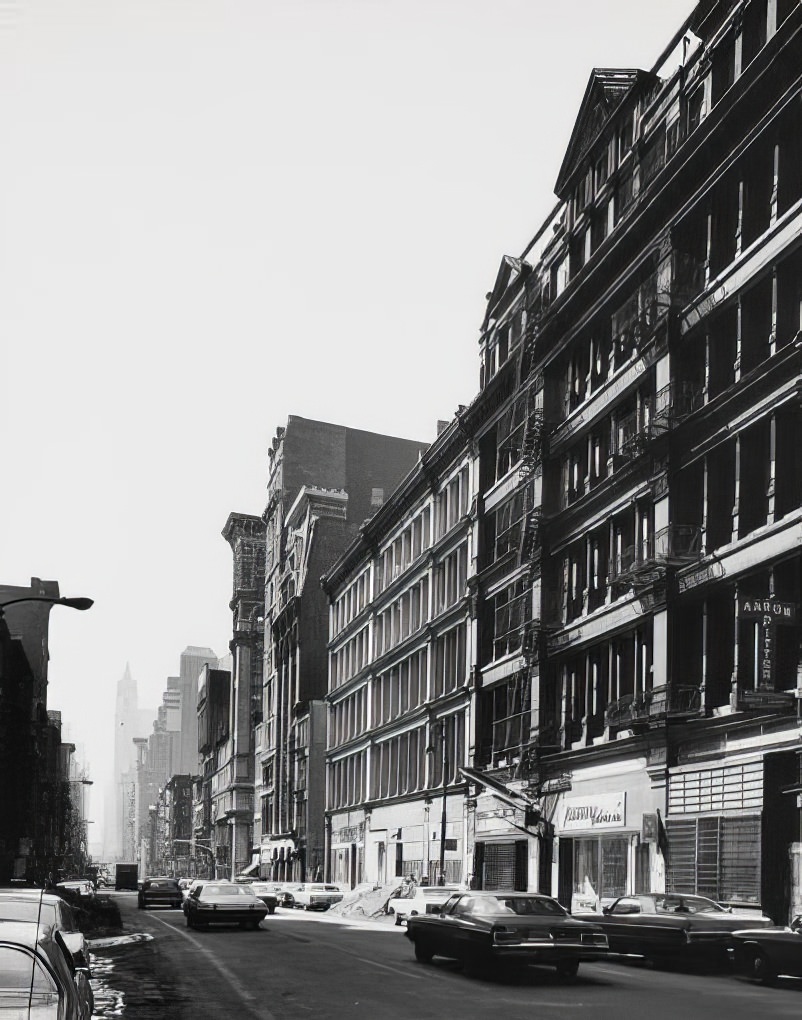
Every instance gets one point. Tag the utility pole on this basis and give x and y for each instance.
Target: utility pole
(442, 875)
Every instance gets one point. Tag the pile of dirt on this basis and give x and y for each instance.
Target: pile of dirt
(365, 900)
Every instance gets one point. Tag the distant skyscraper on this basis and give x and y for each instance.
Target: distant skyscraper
(193, 659)
(130, 722)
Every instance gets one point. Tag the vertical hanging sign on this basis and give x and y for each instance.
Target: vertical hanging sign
(767, 613)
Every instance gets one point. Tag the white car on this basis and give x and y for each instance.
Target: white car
(422, 899)
(316, 895)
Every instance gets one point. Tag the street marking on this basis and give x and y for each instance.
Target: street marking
(250, 1000)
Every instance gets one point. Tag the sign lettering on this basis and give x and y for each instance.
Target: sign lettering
(604, 811)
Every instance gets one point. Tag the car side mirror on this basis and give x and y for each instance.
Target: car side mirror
(607, 910)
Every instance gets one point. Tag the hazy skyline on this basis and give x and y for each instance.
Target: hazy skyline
(217, 214)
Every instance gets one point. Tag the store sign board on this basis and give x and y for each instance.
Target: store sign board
(766, 613)
(777, 612)
(593, 811)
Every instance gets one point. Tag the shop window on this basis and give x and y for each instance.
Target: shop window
(753, 35)
(720, 495)
(788, 477)
(600, 867)
(785, 9)
(758, 184)
(720, 624)
(756, 325)
(724, 225)
(789, 299)
(600, 172)
(624, 193)
(695, 109)
(654, 155)
(755, 469)
(723, 347)
(723, 67)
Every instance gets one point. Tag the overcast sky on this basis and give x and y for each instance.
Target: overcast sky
(217, 213)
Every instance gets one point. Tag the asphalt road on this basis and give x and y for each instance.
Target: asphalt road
(310, 966)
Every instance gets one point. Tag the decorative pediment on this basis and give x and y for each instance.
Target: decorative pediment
(508, 272)
(606, 89)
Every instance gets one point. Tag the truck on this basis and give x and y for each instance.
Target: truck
(126, 876)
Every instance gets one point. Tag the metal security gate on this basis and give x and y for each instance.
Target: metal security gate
(715, 856)
(505, 865)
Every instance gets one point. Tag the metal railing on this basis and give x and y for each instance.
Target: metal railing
(667, 701)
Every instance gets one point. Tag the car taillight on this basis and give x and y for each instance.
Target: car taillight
(507, 937)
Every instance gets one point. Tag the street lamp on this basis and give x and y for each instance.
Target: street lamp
(79, 603)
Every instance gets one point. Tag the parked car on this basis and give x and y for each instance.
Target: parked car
(224, 903)
(765, 953)
(37, 975)
(159, 892)
(487, 930)
(316, 896)
(50, 910)
(659, 925)
(81, 887)
(287, 893)
(267, 894)
(421, 899)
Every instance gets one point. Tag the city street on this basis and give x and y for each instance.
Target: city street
(301, 965)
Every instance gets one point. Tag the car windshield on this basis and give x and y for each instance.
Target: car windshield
(227, 890)
(162, 883)
(672, 904)
(523, 906)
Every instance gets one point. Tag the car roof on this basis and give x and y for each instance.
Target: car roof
(24, 933)
(29, 894)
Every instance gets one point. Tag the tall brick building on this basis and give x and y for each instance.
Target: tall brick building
(325, 481)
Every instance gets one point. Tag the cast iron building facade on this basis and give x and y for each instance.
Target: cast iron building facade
(324, 481)
(639, 429)
(400, 651)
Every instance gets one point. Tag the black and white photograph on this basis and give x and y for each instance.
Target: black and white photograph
(401, 532)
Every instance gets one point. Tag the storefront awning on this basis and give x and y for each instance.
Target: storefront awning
(498, 789)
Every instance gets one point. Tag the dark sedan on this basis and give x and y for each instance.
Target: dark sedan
(659, 925)
(224, 903)
(159, 892)
(765, 953)
(487, 931)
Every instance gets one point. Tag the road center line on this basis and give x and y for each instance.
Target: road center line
(251, 1001)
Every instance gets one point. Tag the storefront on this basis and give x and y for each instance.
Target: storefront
(505, 853)
(347, 855)
(730, 827)
(606, 835)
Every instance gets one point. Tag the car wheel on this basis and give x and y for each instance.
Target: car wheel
(397, 921)
(567, 970)
(759, 967)
(254, 925)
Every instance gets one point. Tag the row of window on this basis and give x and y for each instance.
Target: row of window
(595, 210)
(402, 617)
(404, 687)
(410, 762)
(351, 602)
(415, 539)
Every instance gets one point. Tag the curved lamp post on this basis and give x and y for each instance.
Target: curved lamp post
(79, 603)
